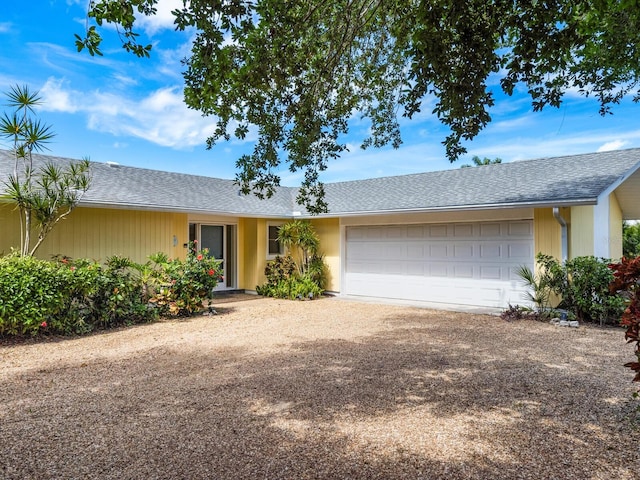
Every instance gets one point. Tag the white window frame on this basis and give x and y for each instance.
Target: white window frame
(271, 256)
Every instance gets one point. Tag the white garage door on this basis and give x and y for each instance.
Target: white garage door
(456, 263)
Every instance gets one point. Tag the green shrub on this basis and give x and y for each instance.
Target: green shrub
(288, 278)
(69, 297)
(77, 296)
(181, 287)
(118, 298)
(77, 315)
(277, 270)
(285, 281)
(31, 291)
(582, 285)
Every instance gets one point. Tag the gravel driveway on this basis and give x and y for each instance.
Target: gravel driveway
(272, 389)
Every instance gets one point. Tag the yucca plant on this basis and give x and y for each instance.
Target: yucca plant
(539, 289)
(45, 194)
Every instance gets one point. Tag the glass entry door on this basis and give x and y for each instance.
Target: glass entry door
(220, 240)
(212, 237)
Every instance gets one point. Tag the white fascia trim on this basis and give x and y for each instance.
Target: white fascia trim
(601, 228)
(619, 182)
(601, 216)
(569, 203)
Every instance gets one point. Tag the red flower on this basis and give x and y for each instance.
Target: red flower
(73, 269)
(195, 241)
(64, 260)
(199, 257)
(211, 272)
(43, 324)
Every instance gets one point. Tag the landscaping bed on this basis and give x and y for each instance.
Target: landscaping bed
(329, 388)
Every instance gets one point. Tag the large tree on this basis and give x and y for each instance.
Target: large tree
(297, 71)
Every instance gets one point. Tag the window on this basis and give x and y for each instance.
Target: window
(274, 247)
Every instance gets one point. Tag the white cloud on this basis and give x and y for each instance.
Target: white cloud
(5, 27)
(612, 145)
(161, 117)
(125, 79)
(55, 98)
(516, 123)
(163, 19)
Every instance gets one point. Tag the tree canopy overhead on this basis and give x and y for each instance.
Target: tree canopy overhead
(297, 71)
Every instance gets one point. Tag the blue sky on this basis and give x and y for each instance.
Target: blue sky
(128, 110)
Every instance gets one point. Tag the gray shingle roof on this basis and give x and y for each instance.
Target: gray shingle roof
(567, 180)
(138, 188)
(570, 180)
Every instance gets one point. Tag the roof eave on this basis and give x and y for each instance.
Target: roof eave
(457, 208)
(606, 192)
(174, 209)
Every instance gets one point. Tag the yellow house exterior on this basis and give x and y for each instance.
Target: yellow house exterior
(98, 233)
(443, 237)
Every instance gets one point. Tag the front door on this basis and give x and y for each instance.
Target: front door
(212, 237)
(220, 240)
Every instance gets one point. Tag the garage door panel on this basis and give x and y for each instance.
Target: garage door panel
(415, 251)
(467, 263)
(490, 251)
(520, 229)
(468, 292)
(438, 269)
(463, 250)
(521, 251)
(490, 273)
(490, 230)
(415, 231)
(436, 231)
(463, 271)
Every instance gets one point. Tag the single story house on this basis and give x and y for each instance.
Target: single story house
(450, 238)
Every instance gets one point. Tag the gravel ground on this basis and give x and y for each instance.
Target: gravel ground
(329, 389)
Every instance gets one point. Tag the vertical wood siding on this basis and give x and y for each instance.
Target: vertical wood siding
(581, 240)
(547, 233)
(9, 228)
(97, 234)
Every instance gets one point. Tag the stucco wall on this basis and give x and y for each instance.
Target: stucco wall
(97, 234)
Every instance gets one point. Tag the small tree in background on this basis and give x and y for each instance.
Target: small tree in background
(46, 194)
(630, 239)
(479, 162)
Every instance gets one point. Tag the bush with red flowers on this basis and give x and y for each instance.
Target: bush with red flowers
(181, 287)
